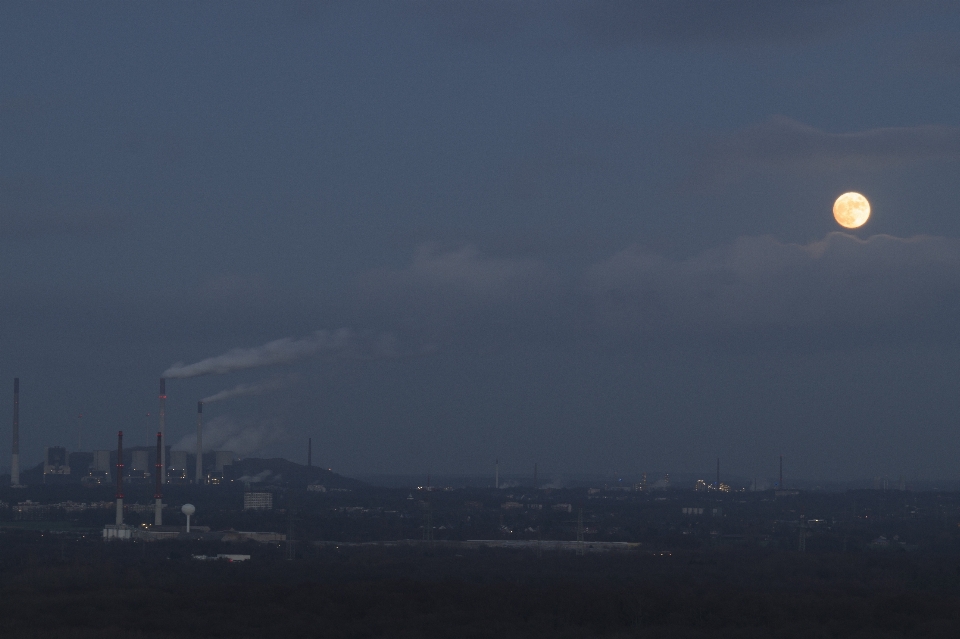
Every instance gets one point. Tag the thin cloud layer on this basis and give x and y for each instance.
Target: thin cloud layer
(781, 143)
(892, 285)
(619, 22)
(464, 276)
(761, 282)
(613, 22)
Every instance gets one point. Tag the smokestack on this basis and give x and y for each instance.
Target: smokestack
(120, 478)
(309, 452)
(15, 460)
(163, 431)
(199, 474)
(157, 495)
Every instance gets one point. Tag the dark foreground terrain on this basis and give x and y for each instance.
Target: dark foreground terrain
(53, 586)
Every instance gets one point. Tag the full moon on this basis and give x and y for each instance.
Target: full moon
(851, 210)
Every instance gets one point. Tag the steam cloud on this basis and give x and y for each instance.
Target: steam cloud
(223, 433)
(262, 476)
(257, 388)
(283, 351)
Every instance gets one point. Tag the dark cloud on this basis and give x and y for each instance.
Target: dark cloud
(485, 20)
(614, 22)
(26, 224)
(937, 51)
(618, 22)
(780, 143)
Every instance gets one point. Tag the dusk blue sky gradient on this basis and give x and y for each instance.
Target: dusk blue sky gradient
(592, 235)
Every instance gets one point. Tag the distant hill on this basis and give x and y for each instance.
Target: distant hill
(283, 472)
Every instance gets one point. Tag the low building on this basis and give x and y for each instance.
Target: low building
(113, 532)
(260, 537)
(222, 557)
(257, 501)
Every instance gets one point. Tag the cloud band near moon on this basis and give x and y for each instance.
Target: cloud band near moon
(752, 283)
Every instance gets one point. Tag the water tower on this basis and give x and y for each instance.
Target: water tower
(188, 509)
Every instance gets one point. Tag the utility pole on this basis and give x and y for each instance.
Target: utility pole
(291, 543)
(428, 523)
(580, 531)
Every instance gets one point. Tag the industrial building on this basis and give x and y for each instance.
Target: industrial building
(222, 458)
(101, 462)
(177, 471)
(139, 465)
(55, 461)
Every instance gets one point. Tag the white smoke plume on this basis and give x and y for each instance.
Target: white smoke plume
(223, 433)
(287, 351)
(262, 476)
(256, 388)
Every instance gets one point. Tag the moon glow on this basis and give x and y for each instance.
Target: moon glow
(851, 210)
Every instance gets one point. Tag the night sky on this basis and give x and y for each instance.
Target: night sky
(595, 236)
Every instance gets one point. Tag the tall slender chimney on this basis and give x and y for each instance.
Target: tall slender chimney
(309, 452)
(199, 474)
(158, 495)
(163, 431)
(15, 460)
(120, 478)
